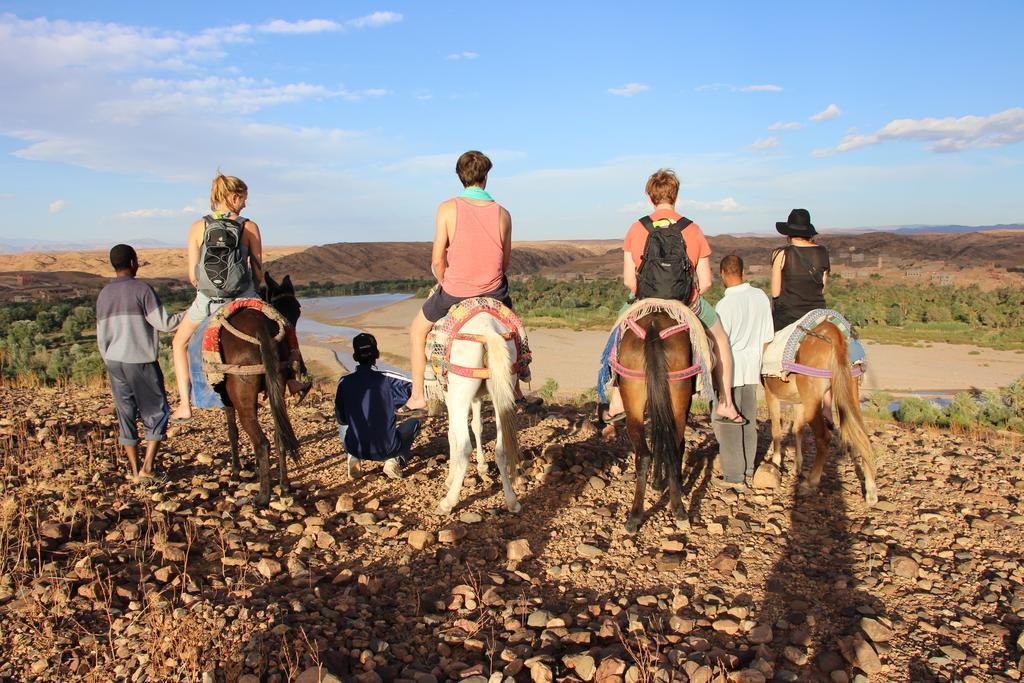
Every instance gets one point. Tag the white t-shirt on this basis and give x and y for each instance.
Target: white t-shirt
(746, 315)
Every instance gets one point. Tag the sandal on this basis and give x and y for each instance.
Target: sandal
(180, 420)
(411, 412)
(529, 401)
(726, 421)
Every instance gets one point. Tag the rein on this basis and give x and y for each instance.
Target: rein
(641, 333)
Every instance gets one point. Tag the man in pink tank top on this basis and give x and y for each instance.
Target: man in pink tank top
(472, 246)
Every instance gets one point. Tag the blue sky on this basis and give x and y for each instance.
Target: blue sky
(345, 119)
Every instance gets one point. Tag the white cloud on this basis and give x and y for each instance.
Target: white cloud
(57, 206)
(302, 26)
(467, 54)
(949, 134)
(765, 143)
(788, 125)
(715, 87)
(727, 205)
(160, 213)
(423, 95)
(830, 112)
(629, 89)
(375, 20)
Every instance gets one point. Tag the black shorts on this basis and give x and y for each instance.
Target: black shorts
(439, 303)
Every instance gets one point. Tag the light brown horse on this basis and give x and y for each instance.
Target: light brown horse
(656, 375)
(824, 348)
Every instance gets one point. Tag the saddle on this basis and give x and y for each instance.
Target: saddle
(687, 321)
(780, 356)
(214, 366)
(447, 330)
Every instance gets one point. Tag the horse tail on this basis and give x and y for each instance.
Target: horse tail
(852, 431)
(275, 388)
(664, 440)
(501, 387)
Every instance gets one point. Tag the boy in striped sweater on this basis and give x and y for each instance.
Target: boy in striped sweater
(129, 316)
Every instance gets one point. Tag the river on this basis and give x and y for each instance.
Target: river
(339, 337)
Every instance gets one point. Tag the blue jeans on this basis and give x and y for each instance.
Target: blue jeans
(407, 432)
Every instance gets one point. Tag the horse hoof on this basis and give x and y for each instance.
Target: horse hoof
(632, 525)
(682, 523)
(261, 501)
(871, 497)
(443, 508)
(805, 489)
(515, 508)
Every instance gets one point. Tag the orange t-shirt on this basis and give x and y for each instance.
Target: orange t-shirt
(697, 246)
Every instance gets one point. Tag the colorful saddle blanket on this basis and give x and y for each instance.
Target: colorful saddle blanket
(687, 319)
(780, 356)
(213, 359)
(447, 330)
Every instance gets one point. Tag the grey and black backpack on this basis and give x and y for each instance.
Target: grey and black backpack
(223, 268)
(665, 269)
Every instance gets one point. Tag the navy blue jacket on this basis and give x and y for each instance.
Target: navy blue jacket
(366, 401)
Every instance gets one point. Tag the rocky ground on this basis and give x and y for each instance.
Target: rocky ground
(103, 579)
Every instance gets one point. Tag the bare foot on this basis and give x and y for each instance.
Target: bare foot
(182, 414)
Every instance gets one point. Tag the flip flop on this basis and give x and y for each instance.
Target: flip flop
(726, 421)
(180, 420)
(607, 419)
(529, 401)
(411, 412)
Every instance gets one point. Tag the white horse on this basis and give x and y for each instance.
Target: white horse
(480, 345)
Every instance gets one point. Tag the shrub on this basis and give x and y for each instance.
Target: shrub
(548, 390)
(877, 405)
(993, 410)
(963, 410)
(917, 411)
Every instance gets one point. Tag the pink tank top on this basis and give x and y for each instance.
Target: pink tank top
(474, 255)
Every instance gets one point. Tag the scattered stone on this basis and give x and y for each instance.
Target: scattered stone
(904, 566)
(420, 539)
(346, 503)
(767, 476)
(268, 568)
(875, 630)
(518, 550)
(588, 551)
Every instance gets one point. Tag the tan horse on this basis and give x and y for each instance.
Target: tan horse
(824, 348)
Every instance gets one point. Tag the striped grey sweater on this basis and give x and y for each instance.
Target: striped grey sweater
(128, 316)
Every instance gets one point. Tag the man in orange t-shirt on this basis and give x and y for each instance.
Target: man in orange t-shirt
(663, 190)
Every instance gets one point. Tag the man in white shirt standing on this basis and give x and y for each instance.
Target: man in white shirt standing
(746, 315)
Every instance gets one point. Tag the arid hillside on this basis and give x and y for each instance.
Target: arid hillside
(963, 257)
(184, 580)
(155, 263)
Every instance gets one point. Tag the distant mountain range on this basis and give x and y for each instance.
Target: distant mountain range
(918, 229)
(21, 246)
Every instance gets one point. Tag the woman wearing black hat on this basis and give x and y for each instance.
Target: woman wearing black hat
(799, 271)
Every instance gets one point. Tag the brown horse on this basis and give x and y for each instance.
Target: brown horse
(825, 348)
(650, 359)
(241, 392)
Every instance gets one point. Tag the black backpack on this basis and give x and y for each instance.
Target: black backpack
(223, 269)
(665, 269)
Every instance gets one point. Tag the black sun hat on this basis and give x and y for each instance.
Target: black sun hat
(798, 225)
(364, 348)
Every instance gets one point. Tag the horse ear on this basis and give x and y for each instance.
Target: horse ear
(269, 281)
(286, 284)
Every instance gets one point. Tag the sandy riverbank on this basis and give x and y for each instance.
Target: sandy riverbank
(570, 357)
